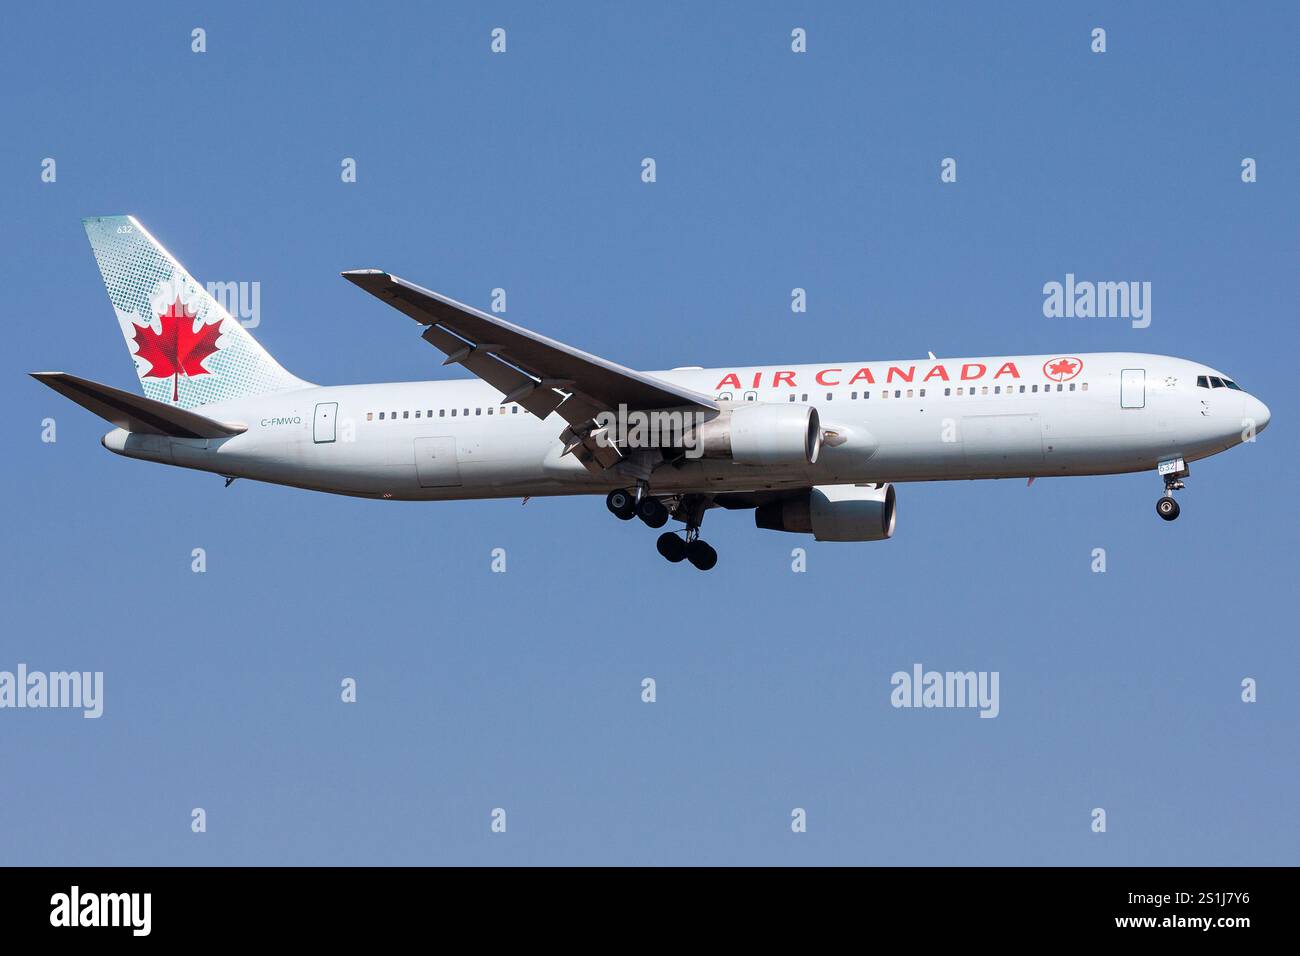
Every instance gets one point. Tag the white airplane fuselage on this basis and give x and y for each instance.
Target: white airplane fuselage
(911, 420)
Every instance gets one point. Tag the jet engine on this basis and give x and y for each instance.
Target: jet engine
(764, 435)
(833, 513)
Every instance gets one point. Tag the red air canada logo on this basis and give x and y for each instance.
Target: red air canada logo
(177, 350)
(1062, 369)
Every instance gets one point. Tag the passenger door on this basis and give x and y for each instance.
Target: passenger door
(323, 426)
(1133, 388)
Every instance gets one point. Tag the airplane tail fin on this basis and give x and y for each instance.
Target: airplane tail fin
(188, 349)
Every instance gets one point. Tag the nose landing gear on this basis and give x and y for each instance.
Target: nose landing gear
(1173, 471)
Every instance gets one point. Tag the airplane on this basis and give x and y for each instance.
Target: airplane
(810, 449)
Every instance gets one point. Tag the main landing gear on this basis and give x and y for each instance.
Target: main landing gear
(673, 547)
(626, 505)
(621, 504)
(1173, 472)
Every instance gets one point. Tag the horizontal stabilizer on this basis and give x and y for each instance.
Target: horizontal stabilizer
(134, 412)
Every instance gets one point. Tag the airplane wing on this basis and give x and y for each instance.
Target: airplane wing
(539, 373)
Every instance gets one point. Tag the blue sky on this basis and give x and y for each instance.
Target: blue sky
(522, 690)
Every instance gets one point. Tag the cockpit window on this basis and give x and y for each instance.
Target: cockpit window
(1214, 381)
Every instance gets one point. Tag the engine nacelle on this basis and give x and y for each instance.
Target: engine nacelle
(833, 513)
(764, 435)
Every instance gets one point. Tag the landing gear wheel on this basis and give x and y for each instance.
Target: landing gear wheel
(701, 555)
(652, 512)
(621, 504)
(1167, 508)
(671, 546)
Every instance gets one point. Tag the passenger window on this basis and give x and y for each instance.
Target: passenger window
(1059, 387)
(947, 392)
(853, 396)
(417, 413)
(984, 390)
(829, 396)
(453, 413)
(805, 397)
(381, 416)
(478, 411)
(1033, 389)
(1072, 386)
(1022, 390)
(370, 416)
(406, 414)
(884, 393)
(1084, 388)
(792, 396)
(909, 393)
(489, 411)
(514, 410)
(442, 413)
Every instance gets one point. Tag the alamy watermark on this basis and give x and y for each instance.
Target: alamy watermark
(243, 300)
(1101, 300)
(675, 429)
(76, 690)
(922, 688)
(128, 910)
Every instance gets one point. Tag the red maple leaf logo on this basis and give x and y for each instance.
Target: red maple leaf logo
(1062, 369)
(177, 350)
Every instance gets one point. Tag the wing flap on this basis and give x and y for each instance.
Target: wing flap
(543, 363)
(512, 383)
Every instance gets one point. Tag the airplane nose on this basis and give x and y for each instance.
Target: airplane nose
(1258, 412)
